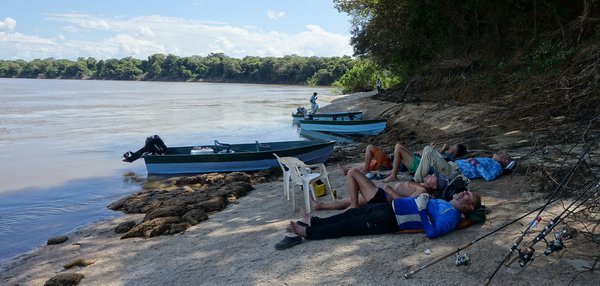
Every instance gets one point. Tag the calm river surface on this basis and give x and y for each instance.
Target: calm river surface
(62, 142)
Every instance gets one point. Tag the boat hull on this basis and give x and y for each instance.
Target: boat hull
(318, 135)
(178, 160)
(335, 116)
(354, 127)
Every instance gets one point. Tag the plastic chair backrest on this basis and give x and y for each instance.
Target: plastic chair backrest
(284, 168)
(292, 164)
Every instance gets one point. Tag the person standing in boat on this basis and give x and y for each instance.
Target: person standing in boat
(313, 104)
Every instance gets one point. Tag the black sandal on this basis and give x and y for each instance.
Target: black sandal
(288, 242)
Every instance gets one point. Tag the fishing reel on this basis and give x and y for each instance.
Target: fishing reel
(525, 256)
(462, 260)
(557, 244)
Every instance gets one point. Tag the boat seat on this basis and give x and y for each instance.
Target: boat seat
(262, 147)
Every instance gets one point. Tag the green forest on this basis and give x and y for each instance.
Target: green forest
(474, 50)
(215, 67)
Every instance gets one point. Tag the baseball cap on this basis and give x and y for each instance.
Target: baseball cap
(442, 180)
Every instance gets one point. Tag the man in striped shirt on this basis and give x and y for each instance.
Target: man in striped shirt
(436, 217)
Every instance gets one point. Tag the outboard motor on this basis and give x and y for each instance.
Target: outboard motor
(153, 145)
(301, 110)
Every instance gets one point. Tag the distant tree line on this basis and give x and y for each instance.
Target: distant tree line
(215, 67)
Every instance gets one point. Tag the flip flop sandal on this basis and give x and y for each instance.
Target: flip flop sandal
(288, 242)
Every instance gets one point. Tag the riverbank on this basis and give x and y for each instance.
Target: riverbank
(235, 246)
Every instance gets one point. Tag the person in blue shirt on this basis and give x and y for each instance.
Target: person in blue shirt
(313, 104)
(479, 167)
(436, 217)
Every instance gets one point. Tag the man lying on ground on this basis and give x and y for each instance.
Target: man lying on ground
(436, 217)
(375, 159)
(479, 167)
(363, 191)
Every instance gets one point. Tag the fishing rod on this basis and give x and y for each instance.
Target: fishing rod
(563, 183)
(526, 254)
(468, 244)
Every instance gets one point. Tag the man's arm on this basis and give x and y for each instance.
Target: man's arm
(488, 168)
(438, 219)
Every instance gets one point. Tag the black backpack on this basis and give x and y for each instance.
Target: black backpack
(456, 183)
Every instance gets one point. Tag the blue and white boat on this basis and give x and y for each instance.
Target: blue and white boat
(325, 136)
(335, 116)
(353, 127)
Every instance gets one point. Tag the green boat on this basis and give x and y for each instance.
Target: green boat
(231, 157)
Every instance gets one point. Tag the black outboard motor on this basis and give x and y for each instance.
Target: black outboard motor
(153, 145)
(301, 110)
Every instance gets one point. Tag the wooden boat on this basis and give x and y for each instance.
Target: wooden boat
(234, 157)
(342, 116)
(356, 127)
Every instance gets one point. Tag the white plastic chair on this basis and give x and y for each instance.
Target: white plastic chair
(303, 175)
(286, 177)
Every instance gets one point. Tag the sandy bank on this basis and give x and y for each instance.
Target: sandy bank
(235, 247)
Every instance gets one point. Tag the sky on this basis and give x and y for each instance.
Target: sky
(68, 29)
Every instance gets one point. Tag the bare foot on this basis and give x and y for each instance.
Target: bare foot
(297, 229)
(390, 179)
(305, 217)
(316, 205)
(343, 169)
(349, 207)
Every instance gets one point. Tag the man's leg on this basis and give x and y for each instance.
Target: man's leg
(368, 158)
(337, 204)
(375, 159)
(358, 183)
(432, 158)
(345, 170)
(401, 155)
(371, 219)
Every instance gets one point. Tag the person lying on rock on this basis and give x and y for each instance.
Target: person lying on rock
(488, 168)
(376, 159)
(436, 217)
(363, 191)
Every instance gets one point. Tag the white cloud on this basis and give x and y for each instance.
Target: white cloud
(275, 15)
(8, 24)
(19, 46)
(70, 29)
(141, 37)
(145, 31)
